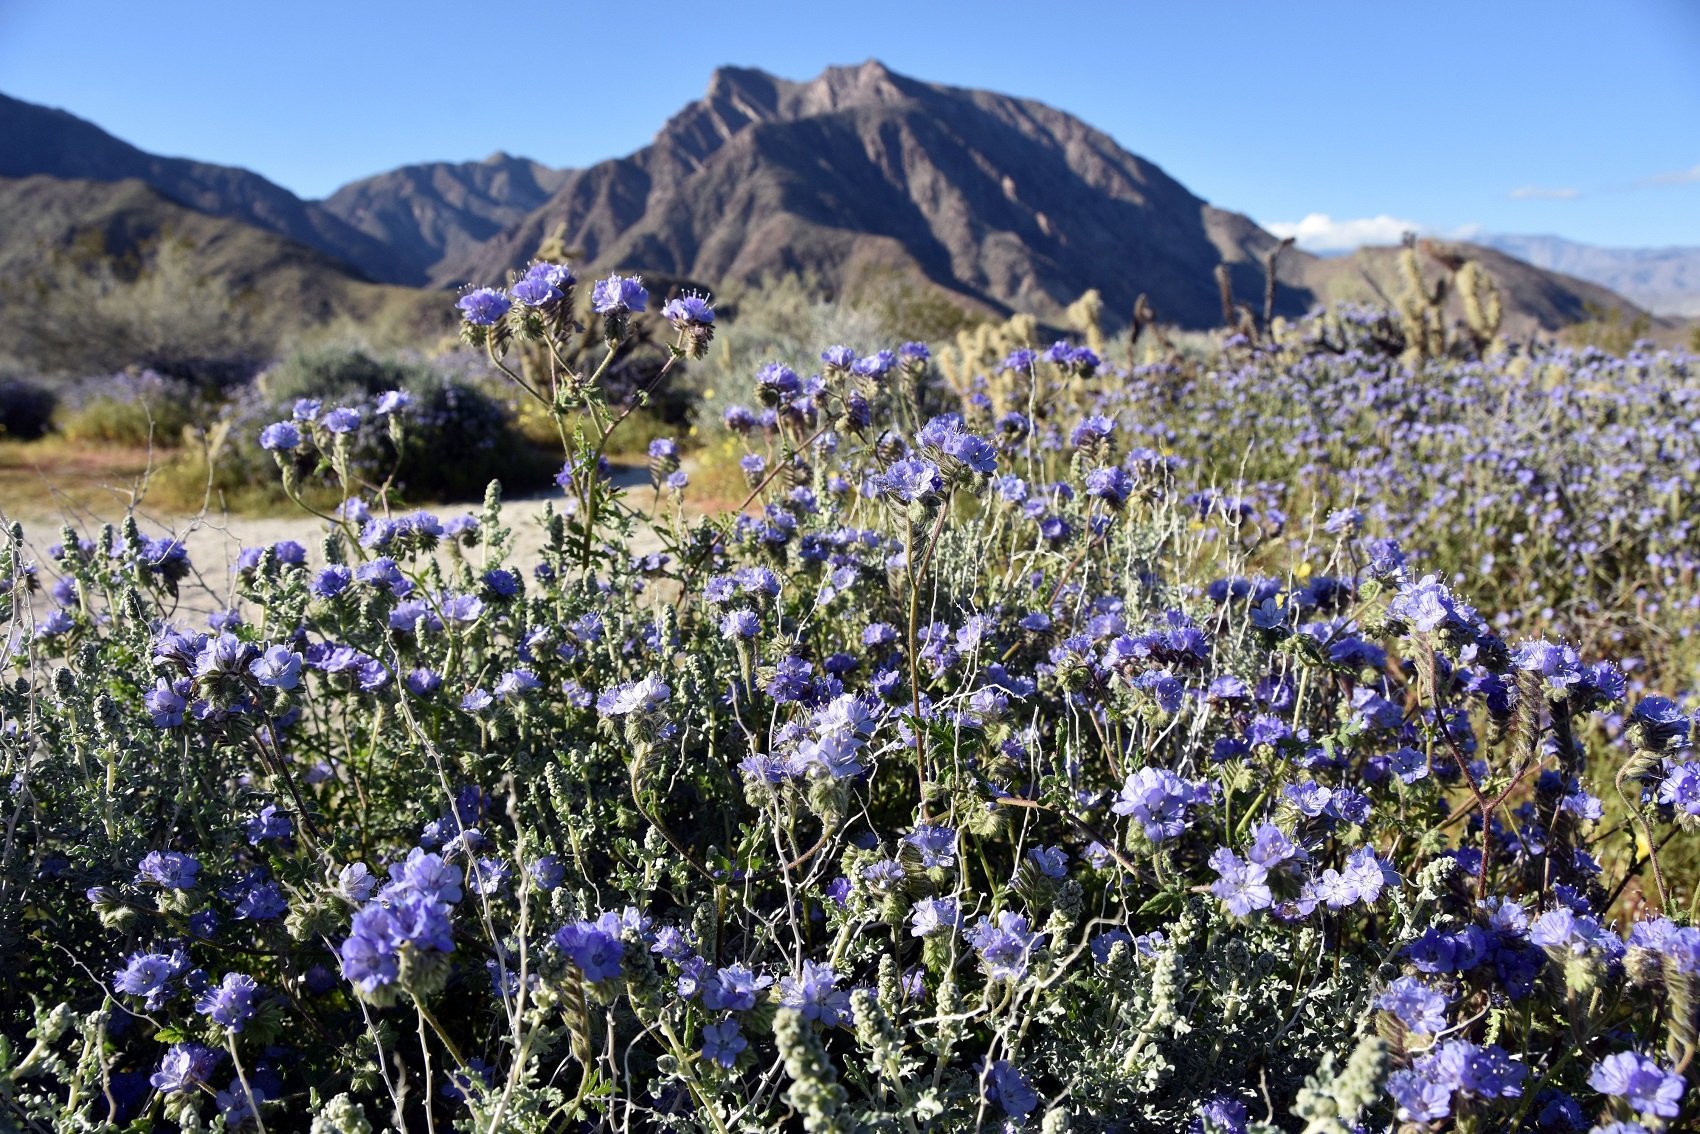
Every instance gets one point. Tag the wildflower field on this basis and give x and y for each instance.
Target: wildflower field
(1293, 736)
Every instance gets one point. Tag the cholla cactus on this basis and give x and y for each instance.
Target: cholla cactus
(1086, 315)
(1482, 308)
(981, 351)
(1421, 309)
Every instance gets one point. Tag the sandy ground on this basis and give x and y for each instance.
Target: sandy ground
(213, 541)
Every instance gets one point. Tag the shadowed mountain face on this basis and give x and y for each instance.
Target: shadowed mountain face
(279, 286)
(1004, 202)
(40, 140)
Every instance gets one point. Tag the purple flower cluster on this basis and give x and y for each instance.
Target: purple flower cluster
(950, 734)
(1426, 1092)
(412, 913)
(483, 307)
(230, 1003)
(596, 947)
(1643, 1083)
(1159, 800)
(619, 295)
(1005, 946)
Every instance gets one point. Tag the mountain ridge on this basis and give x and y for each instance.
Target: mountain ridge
(48, 141)
(1664, 280)
(428, 211)
(1004, 203)
(1001, 203)
(64, 230)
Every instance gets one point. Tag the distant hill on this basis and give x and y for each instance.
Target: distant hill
(857, 175)
(64, 237)
(1663, 280)
(1534, 299)
(41, 140)
(428, 214)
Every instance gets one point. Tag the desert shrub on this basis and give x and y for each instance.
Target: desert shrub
(454, 436)
(907, 310)
(1611, 330)
(90, 307)
(645, 425)
(130, 408)
(337, 372)
(26, 408)
(459, 438)
(995, 771)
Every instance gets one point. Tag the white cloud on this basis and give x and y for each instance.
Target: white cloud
(1674, 177)
(1319, 232)
(1540, 193)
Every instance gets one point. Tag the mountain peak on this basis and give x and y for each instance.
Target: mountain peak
(749, 90)
(871, 83)
(731, 77)
(999, 202)
(740, 94)
(868, 74)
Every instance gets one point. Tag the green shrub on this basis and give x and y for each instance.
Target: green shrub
(1610, 329)
(787, 320)
(100, 305)
(130, 409)
(460, 438)
(337, 372)
(911, 311)
(457, 437)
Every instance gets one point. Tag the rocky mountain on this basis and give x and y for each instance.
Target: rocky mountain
(1663, 280)
(41, 140)
(855, 176)
(1004, 203)
(442, 211)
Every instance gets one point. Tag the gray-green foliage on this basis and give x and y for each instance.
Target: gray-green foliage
(988, 775)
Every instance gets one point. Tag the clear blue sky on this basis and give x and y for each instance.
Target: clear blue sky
(1577, 118)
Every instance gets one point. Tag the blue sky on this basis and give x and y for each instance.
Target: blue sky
(1581, 119)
